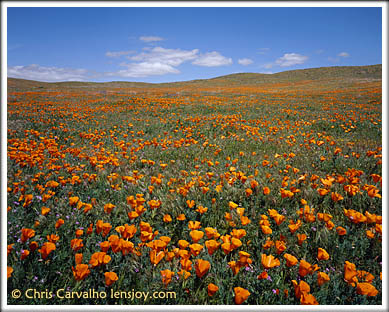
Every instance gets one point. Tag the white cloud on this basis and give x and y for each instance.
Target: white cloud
(144, 69)
(245, 61)
(150, 38)
(172, 57)
(291, 59)
(48, 74)
(118, 53)
(343, 54)
(212, 59)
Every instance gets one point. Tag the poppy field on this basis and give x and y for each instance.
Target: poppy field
(221, 194)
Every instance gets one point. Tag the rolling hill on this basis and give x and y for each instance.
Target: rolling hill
(334, 73)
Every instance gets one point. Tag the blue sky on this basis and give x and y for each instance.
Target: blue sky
(176, 44)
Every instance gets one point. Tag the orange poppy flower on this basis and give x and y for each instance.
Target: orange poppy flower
(300, 288)
(186, 264)
(212, 289)
(301, 238)
(109, 207)
(263, 275)
(166, 276)
(280, 246)
(76, 244)
(46, 249)
(167, 218)
(99, 258)
(235, 267)
(366, 289)
(52, 238)
(183, 244)
(9, 271)
(104, 246)
(196, 235)
(269, 262)
(73, 200)
(184, 274)
(45, 210)
(190, 203)
(266, 230)
(336, 197)
(24, 254)
(269, 243)
(341, 231)
(235, 243)
(322, 254)
(290, 260)
(195, 249)
(293, 227)
(241, 295)
(227, 247)
(365, 276)
(27, 234)
(156, 256)
(308, 299)
(322, 278)
(202, 267)
(59, 223)
(80, 272)
(244, 258)
(350, 272)
(266, 190)
(78, 258)
(33, 246)
(194, 225)
(211, 233)
(79, 232)
(212, 246)
(181, 217)
(305, 268)
(110, 278)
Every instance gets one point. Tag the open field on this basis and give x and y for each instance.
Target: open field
(243, 189)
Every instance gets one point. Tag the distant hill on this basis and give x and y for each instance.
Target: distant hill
(371, 72)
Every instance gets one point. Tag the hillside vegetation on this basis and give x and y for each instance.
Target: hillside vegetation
(344, 73)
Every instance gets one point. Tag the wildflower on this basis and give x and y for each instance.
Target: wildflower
(305, 268)
(59, 223)
(241, 295)
(322, 254)
(269, 262)
(99, 258)
(212, 246)
(26, 234)
(9, 271)
(308, 299)
(110, 278)
(366, 289)
(300, 288)
(202, 267)
(322, 278)
(196, 235)
(212, 289)
(290, 260)
(109, 207)
(76, 244)
(46, 249)
(341, 231)
(166, 276)
(80, 272)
